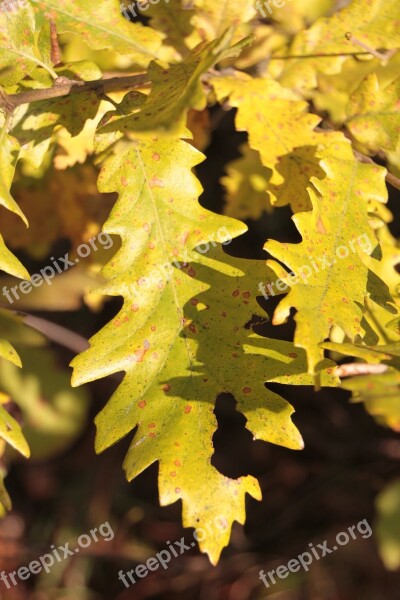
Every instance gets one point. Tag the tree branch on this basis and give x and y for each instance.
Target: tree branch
(10, 102)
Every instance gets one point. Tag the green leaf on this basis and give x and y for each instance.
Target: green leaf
(54, 415)
(181, 337)
(9, 149)
(11, 432)
(9, 154)
(387, 525)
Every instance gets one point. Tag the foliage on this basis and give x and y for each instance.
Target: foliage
(315, 113)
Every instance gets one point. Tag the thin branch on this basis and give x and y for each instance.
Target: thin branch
(65, 337)
(350, 38)
(62, 88)
(330, 55)
(379, 55)
(352, 369)
(390, 178)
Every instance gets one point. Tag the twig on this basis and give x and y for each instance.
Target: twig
(382, 57)
(56, 333)
(351, 369)
(330, 55)
(102, 86)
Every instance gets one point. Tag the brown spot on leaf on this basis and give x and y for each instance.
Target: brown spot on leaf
(321, 226)
(155, 182)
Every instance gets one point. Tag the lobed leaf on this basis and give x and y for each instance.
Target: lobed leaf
(331, 278)
(181, 337)
(373, 115)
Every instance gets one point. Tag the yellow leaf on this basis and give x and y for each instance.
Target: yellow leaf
(374, 23)
(181, 338)
(104, 27)
(246, 186)
(373, 115)
(331, 277)
(276, 121)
